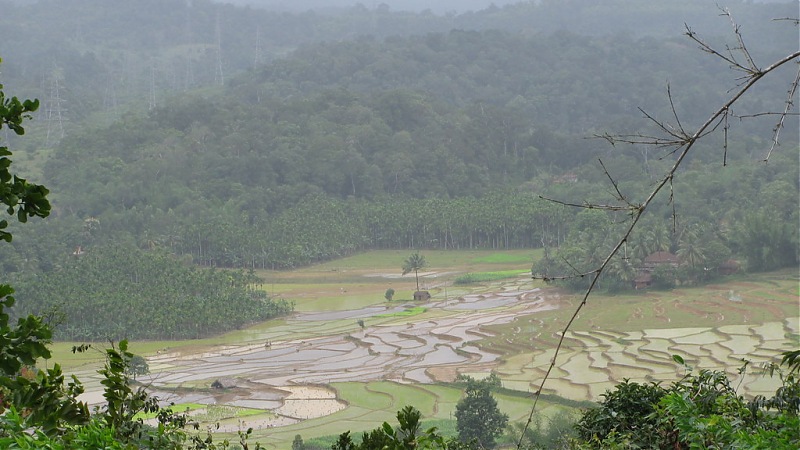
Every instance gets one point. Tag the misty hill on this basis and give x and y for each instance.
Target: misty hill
(341, 140)
(496, 108)
(439, 7)
(104, 55)
(448, 116)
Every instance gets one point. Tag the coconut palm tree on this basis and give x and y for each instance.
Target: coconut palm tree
(414, 263)
(690, 249)
(622, 270)
(658, 238)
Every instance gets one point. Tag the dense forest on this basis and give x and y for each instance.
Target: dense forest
(288, 139)
(127, 293)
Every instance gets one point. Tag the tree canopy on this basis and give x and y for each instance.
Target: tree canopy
(414, 263)
(478, 419)
(256, 139)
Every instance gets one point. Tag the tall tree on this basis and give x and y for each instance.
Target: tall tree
(414, 263)
(477, 416)
(297, 443)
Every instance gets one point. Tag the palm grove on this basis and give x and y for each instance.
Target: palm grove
(441, 139)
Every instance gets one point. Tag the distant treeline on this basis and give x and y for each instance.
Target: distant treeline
(321, 227)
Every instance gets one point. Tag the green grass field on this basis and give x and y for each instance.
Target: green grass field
(482, 277)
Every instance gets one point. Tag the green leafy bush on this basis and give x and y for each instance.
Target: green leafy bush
(699, 411)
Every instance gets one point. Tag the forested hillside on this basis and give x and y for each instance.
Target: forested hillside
(245, 138)
(95, 56)
(182, 147)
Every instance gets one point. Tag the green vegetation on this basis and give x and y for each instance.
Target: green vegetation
(178, 408)
(425, 155)
(408, 435)
(611, 312)
(40, 410)
(480, 277)
(408, 312)
(216, 413)
(478, 419)
(20, 198)
(118, 292)
(504, 258)
(250, 140)
(414, 263)
(699, 410)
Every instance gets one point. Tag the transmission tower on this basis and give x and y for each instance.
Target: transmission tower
(218, 76)
(152, 87)
(54, 109)
(257, 58)
(190, 42)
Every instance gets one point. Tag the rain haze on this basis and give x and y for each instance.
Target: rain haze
(321, 221)
(438, 7)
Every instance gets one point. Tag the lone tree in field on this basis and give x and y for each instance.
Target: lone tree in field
(137, 365)
(298, 444)
(414, 263)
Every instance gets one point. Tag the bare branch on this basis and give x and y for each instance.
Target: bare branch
(578, 273)
(776, 132)
(764, 113)
(725, 140)
(674, 112)
(730, 59)
(587, 205)
(638, 139)
(620, 197)
(672, 203)
(675, 137)
(794, 20)
(742, 48)
(680, 135)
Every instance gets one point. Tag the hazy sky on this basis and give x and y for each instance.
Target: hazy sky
(437, 6)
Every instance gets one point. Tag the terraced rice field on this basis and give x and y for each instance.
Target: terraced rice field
(319, 372)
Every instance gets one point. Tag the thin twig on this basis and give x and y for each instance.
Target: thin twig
(795, 20)
(776, 132)
(619, 195)
(587, 205)
(742, 48)
(674, 112)
(764, 113)
(725, 140)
